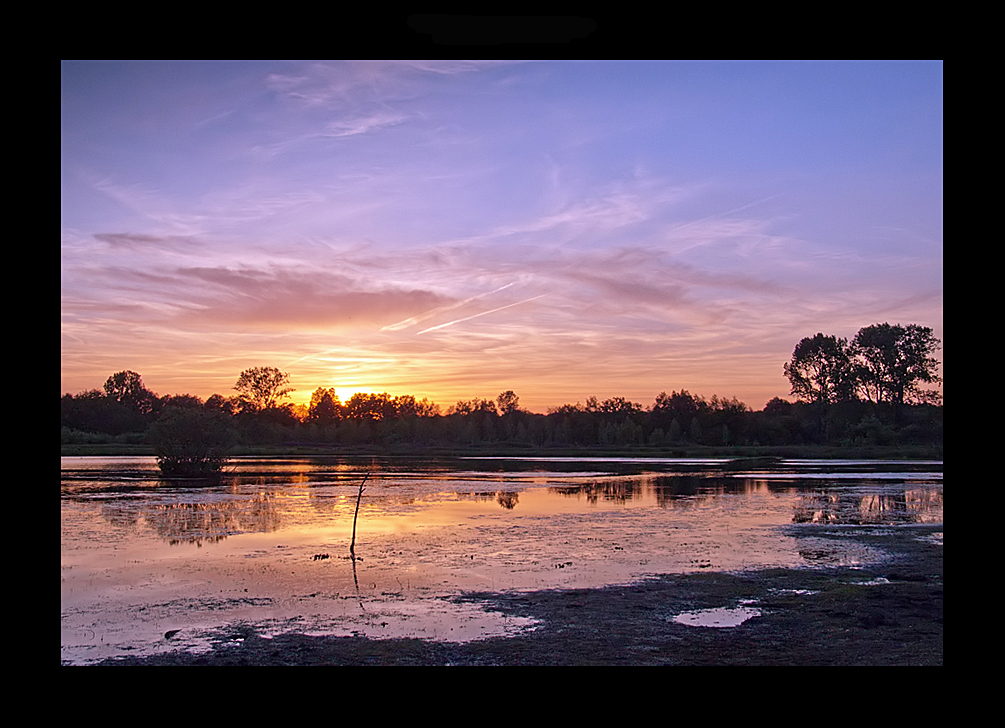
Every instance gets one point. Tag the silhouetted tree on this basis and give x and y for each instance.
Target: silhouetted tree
(93, 411)
(127, 389)
(894, 361)
(778, 406)
(508, 402)
(677, 410)
(180, 401)
(821, 370)
(467, 407)
(731, 416)
(619, 406)
(425, 408)
(226, 405)
(262, 387)
(325, 407)
(368, 406)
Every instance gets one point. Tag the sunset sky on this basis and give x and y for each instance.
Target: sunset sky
(454, 229)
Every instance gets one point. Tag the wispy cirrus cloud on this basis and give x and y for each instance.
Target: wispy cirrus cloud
(148, 204)
(321, 84)
(450, 228)
(140, 242)
(219, 297)
(364, 124)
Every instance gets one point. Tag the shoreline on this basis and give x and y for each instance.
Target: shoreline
(824, 452)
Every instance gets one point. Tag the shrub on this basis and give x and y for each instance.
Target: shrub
(191, 442)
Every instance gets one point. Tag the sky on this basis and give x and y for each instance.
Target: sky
(456, 229)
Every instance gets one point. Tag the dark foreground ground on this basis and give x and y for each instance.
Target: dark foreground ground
(822, 616)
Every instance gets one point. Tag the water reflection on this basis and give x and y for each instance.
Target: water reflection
(911, 505)
(893, 504)
(201, 522)
(617, 491)
(507, 499)
(719, 617)
(260, 501)
(141, 555)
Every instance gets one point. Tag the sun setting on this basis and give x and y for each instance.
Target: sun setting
(501, 362)
(569, 235)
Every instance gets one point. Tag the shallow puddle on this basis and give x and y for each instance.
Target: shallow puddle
(719, 617)
(142, 558)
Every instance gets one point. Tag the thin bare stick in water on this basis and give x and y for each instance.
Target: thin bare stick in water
(352, 546)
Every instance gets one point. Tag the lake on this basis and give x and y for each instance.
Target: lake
(149, 565)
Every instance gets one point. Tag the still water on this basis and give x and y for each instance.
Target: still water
(150, 565)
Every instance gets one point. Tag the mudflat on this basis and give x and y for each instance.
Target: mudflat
(885, 613)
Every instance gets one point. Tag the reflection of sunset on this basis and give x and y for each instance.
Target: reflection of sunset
(271, 541)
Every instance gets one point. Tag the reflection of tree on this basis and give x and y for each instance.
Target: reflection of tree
(816, 508)
(507, 499)
(670, 487)
(608, 490)
(196, 522)
(203, 521)
(691, 491)
(907, 506)
(670, 491)
(925, 502)
(118, 516)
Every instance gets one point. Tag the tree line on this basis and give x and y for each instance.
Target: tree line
(869, 391)
(887, 366)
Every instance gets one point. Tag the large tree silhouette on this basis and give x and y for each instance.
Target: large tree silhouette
(127, 389)
(821, 370)
(325, 408)
(262, 387)
(893, 361)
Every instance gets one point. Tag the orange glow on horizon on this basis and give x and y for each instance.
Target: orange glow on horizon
(344, 393)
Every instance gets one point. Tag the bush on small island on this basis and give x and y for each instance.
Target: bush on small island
(191, 442)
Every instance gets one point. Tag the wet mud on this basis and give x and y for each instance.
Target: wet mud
(885, 612)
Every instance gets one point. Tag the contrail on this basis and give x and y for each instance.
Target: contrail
(720, 214)
(429, 314)
(483, 313)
